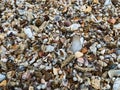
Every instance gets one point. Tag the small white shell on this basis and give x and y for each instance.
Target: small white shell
(74, 27)
(113, 73)
(116, 85)
(28, 32)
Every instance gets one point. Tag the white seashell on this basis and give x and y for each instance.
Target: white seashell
(77, 44)
(49, 48)
(55, 71)
(116, 26)
(116, 85)
(118, 58)
(113, 73)
(2, 77)
(74, 27)
(28, 32)
(93, 48)
(107, 2)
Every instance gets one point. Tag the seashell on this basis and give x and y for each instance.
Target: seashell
(93, 48)
(118, 58)
(31, 88)
(103, 64)
(55, 71)
(78, 54)
(77, 43)
(113, 73)
(49, 48)
(107, 2)
(95, 82)
(3, 83)
(2, 77)
(96, 1)
(116, 26)
(116, 85)
(28, 32)
(10, 74)
(74, 27)
(26, 75)
(85, 8)
(80, 60)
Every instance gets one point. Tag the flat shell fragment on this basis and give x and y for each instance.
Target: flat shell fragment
(116, 85)
(78, 54)
(28, 32)
(74, 27)
(69, 59)
(76, 44)
(113, 73)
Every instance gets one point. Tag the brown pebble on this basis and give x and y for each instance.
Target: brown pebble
(48, 76)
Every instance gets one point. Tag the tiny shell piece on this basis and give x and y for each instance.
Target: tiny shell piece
(116, 85)
(26, 75)
(117, 26)
(95, 83)
(80, 60)
(65, 62)
(78, 54)
(113, 73)
(31, 88)
(28, 32)
(74, 27)
(3, 83)
(76, 44)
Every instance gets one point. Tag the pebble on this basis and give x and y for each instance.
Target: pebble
(2, 77)
(118, 58)
(116, 26)
(26, 75)
(78, 54)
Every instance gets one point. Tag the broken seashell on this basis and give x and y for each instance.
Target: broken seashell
(28, 32)
(74, 27)
(62, 54)
(65, 62)
(49, 48)
(95, 82)
(93, 48)
(78, 54)
(80, 60)
(116, 85)
(116, 26)
(103, 64)
(3, 83)
(113, 73)
(77, 43)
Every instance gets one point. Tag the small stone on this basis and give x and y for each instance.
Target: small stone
(118, 58)
(3, 83)
(67, 23)
(55, 71)
(118, 51)
(116, 85)
(10, 74)
(78, 54)
(2, 77)
(112, 21)
(117, 26)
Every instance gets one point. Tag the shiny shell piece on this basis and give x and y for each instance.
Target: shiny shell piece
(116, 85)
(113, 73)
(78, 54)
(77, 44)
(74, 27)
(28, 32)
(95, 82)
(2, 77)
